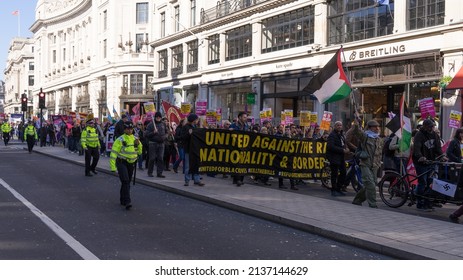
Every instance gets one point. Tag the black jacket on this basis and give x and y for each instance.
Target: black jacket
(335, 147)
(426, 144)
(185, 136)
(157, 135)
(119, 129)
(454, 151)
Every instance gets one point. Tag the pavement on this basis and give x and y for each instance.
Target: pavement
(393, 233)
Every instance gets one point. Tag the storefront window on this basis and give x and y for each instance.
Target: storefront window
(287, 85)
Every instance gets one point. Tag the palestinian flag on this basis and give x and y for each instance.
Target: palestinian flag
(405, 132)
(331, 83)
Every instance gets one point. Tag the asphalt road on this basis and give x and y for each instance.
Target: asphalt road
(80, 217)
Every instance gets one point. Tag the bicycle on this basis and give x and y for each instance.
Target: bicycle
(353, 174)
(395, 189)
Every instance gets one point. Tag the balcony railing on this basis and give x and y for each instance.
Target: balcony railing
(192, 67)
(126, 92)
(226, 7)
(176, 71)
(162, 73)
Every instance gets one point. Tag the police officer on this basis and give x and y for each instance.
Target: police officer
(91, 145)
(6, 129)
(124, 154)
(30, 135)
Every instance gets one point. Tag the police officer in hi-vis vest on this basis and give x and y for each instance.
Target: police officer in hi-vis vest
(124, 154)
(91, 145)
(30, 135)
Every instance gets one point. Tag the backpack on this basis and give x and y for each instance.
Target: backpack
(386, 151)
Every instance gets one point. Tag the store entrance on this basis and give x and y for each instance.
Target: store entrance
(377, 102)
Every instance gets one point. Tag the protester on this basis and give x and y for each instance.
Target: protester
(426, 147)
(191, 172)
(371, 146)
(454, 154)
(156, 132)
(119, 127)
(335, 150)
(241, 125)
(180, 146)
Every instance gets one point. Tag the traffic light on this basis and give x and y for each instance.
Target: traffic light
(24, 104)
(41, 99)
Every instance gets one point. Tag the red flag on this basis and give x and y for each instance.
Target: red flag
(15, 13)
(173, 113)
(136, 109)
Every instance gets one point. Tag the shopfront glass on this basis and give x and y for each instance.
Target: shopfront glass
(231, 99)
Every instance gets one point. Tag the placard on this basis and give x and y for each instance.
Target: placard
(455, 119)
(427, 107)
(326, 120)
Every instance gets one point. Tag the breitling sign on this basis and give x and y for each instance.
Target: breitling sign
(377, 52)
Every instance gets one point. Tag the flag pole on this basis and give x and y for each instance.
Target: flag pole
(19, 24)
(352, 95)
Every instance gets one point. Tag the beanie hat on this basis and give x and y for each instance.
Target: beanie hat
(192, 117)
(158, 114)
(428, 123)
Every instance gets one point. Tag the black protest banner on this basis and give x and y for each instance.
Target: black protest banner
(241, 152)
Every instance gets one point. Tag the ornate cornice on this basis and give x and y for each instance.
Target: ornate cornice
(62, 12)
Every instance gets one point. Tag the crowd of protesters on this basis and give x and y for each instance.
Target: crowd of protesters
(165, 147)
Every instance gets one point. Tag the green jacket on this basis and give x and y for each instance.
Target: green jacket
(124, 148)
(374, 147)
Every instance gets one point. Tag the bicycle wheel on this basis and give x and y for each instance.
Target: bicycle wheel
(325, 173)
(393, 190)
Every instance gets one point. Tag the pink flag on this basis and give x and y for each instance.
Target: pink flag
(15, 13)
(136, 109)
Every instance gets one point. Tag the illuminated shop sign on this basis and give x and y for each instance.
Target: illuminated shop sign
(377, 52)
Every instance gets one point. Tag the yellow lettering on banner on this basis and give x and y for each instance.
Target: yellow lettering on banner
(308, 163)
(321, 147)
(220, 138)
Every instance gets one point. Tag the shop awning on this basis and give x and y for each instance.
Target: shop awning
(457, 81)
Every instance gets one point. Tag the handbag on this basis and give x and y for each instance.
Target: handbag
(361, 153)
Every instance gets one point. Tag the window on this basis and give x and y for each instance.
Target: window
(192, 13)
(239, 42)
(31, 66)
(64, 54)
(105, 48)
(177, 18)
(425, 13)
(54, 56)
(350, 21)
(142, 13)
(163, 25)
(288, 30)
(163, 64)
(136, 84)
(177, 60)
(214, 49)
(31, 80)
(192, 58)
(105, 20)
(139, 42)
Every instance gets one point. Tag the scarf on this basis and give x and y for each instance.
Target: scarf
(372, 134)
